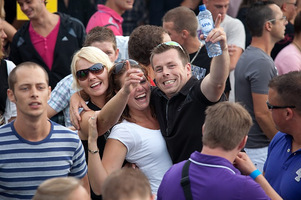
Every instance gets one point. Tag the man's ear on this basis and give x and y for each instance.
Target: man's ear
(188, 67)
(185, 34)
(11, 96)
(117, 53)
(268, 26)
(49, 92)
(243, 143)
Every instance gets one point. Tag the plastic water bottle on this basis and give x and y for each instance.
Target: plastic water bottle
(206, 25)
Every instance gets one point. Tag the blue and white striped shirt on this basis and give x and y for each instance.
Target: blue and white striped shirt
(24, 164)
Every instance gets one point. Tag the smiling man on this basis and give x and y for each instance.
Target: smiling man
(32, 147)
(180, 100)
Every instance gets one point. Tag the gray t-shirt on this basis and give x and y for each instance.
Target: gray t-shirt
(253, 72)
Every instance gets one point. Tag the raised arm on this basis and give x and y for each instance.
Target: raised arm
(111, 112)
(213, 84)
(113, 157)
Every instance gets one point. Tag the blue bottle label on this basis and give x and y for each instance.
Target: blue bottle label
(206, 25)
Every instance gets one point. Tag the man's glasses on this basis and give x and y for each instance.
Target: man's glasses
(173, 43)
(278, 107)
(119, 66)
(281, 19)
(94, 69)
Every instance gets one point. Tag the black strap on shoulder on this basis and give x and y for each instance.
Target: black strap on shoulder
(185, 181)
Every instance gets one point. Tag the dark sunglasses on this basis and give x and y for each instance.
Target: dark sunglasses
(119, 66)
(278, 107)
(94, 69)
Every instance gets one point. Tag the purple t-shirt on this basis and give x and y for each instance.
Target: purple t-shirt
(211, 177)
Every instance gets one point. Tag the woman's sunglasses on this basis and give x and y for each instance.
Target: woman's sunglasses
(94, 69)
(119, 66)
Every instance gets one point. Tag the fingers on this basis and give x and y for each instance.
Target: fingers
(218, 21)
(75, 117)
(127, 65)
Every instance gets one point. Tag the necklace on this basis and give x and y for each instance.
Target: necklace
(197, 53)
(297, 46)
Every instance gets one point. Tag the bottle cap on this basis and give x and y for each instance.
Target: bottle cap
(202, 7)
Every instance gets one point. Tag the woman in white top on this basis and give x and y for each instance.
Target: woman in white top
(136, 138)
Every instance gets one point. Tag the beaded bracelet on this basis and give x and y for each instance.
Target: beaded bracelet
(255, 173)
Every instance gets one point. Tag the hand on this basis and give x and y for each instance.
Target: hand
(133, 76)
(244, 163)
(217, 34)
(76, 102)
(93, 133)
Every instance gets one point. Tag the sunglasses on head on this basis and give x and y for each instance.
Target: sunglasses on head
(172, 43)
(94, 69)
(119, 66)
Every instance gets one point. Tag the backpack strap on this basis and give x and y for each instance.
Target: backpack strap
(185, 181)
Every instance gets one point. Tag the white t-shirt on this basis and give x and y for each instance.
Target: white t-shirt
(236, 35)
(10, 109)
(146, 148)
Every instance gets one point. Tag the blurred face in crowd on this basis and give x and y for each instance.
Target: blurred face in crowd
(217, 7)
(123, 5)
(278, 23)
(174, 35)
(107, 48)
(3, 35)
(32, 8)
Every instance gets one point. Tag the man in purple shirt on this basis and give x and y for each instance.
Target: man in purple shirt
(211, 173)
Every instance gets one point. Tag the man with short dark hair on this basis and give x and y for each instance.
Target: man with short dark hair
(254, 69)
(180, 99)
(32, 147)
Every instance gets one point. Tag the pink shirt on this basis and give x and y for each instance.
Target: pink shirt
(45, 45)
(288, 59)
(107, 17)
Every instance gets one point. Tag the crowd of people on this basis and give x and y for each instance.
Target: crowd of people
(90, 111)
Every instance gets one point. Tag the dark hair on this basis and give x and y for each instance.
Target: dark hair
(100, 34)
(115, 85)
(180, 16)
(183, 54)
(297, 23)
(258, 14)
(142, 41)
(288, 88)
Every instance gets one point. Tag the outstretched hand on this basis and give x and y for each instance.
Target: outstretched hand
(76, 102)
(217, 34)
(133, 76)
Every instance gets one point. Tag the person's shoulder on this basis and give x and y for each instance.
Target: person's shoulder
(250, 189)
(68, 20)
(60, 129)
